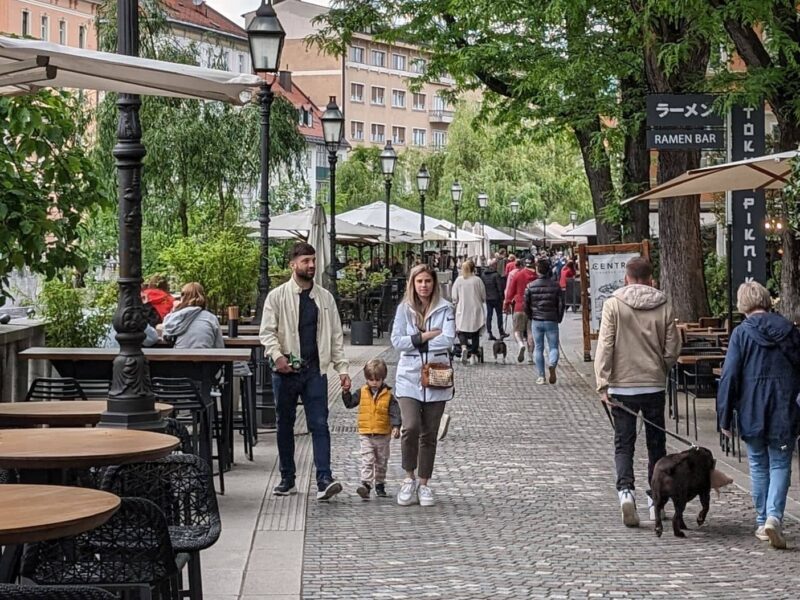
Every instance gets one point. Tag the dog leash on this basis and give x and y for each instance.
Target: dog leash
(647, 421)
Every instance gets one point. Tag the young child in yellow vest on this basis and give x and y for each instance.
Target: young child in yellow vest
(378, 423)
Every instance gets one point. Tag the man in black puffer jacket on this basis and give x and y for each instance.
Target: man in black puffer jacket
(494, 298)
(544, 305)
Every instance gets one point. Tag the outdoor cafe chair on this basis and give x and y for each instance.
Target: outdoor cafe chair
(53, 592)
(181, 485)
(95, 389)
(177, 429)
(55, 388)
(132, 550)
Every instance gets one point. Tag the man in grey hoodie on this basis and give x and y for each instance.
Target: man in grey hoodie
(637, 345)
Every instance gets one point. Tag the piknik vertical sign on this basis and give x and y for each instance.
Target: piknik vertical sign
(748, 239)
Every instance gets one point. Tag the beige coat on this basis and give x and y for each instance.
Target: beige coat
(638, 341)
(279, 323)
(469, 298)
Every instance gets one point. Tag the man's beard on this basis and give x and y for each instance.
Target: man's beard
(304, 275)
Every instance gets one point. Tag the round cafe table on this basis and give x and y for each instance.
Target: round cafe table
(32, 513)
(80, 448)
(62, 413)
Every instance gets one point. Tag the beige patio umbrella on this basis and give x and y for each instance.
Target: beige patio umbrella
(769, 172)
(29, 65)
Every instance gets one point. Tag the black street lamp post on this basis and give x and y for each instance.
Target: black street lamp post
(131, 403)
(514, 210)
(455, 194)
(423, 179)
(483, 204)
(388, 162)
(265, 36)
(332, 126)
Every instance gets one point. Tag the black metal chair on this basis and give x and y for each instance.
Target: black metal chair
(181, 485)
(95, 389)
(244, 419)
(190, 407)
(55, 388)
(53, 592)
(175, 428)
(130, 550)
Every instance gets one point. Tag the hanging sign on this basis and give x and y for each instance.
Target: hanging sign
(682, 110)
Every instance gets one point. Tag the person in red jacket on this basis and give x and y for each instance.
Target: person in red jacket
(515, 300)
(157, 295)
(567, 273)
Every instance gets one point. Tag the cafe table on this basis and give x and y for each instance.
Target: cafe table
(61, 413)
(688, 360)
(33, 513)
(199, 364)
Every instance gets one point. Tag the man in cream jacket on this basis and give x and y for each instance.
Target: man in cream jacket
(301, 321)
(637, 345)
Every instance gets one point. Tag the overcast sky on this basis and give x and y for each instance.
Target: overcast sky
(233, 9)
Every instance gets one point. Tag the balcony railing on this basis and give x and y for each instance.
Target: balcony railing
(440, 116)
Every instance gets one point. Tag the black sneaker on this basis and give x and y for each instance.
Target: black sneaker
(363, 490)
(504, 335)
(380, 490)
(327, 489)
(284, 488)
(492, 338)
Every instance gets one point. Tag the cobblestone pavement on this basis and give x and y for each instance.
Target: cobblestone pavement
(526, 508)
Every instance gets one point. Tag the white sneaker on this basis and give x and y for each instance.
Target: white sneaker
(762, 534)
(426, 496)
(774, 532)
(464, 355)
(443, 425)
(408, 493)
(473, 360)
(540, 381)
(627, 504)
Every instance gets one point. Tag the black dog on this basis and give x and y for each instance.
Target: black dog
(681, 477)
(499, 350)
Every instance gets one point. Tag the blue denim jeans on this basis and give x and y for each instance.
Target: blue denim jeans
(770, 472)
(312, 387)
(542, 330)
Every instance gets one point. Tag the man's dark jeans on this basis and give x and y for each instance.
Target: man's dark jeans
(494, 306)
(652, 408)
(313, 388)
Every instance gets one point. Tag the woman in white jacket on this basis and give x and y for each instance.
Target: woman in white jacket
(423, 331)
(469, 297)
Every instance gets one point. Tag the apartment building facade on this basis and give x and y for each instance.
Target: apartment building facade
(66, 22)
(371, 84)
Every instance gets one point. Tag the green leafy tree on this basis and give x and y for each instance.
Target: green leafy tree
(48, 182)
(76, 317)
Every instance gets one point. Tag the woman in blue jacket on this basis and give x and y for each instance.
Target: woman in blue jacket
(760, 380)
(424, 330)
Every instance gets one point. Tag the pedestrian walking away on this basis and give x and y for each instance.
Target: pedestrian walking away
(760, 381)
(378, 422)
(495, 289)
(515, 302)
(302, 336)
(637, 345)
(469, 296)
(423, 331)
(544, 307)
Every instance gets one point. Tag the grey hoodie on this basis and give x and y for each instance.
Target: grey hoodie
(193, 327)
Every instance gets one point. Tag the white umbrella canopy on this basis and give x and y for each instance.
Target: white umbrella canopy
(297, 224)
(770, 172)
(586, 229)
(317, 237)
(29, 65)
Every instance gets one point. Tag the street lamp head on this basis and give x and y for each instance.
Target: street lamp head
(514, 207)
(388, 160)
(332, 125)
(265, 36)
(483, 200)
(455, 193)
(423, 179)
(573, 216)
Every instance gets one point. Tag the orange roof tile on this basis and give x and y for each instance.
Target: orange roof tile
(202, 16)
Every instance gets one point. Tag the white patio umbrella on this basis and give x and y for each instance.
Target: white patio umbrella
(29, 65)
(585, 229)
(318, 237)
(770, 172)
(297, 224)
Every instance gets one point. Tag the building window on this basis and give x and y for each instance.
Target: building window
(418, 137)
(45, 33)
(399, 62)
(306, 117)
(439, 139)
(398, 98)
(26, 22)
(399, 136)
(357, 131)
(418, 65)
(62, 33)
(378, 58)
(82, 36)
(356, 92)
(378, 94)
(378, 132)
(419, 101)
(241, 63)
(357, 54)
(439, 103)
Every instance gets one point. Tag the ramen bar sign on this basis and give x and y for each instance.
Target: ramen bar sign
(683, 122)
